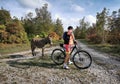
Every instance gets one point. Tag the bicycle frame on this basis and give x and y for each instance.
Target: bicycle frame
(73, 48)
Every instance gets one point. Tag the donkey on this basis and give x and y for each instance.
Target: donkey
(40, 43)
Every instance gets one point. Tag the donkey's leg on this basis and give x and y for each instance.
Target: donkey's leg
(42, 51)
(33, 51)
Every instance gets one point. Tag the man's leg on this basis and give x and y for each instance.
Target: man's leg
(71, 47)
(67, 58)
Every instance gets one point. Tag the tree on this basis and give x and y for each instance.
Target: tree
(4, 16)
(114, 27)
(77, 32)
(42, 24)
(83, 27)
(16, 32)
(92, 35)
(43, 20)
(29, 24)
(11, 30)
(59, 27)
(101, 24)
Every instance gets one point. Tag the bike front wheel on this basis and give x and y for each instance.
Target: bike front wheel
(58, 56)
(82, 59)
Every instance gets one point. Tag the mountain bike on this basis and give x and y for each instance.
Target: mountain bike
(81, 58)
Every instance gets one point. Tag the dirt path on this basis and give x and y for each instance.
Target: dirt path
(27, 54)
(23, 68)
(104, 66)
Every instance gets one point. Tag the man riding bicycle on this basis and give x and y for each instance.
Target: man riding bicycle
(69, 41)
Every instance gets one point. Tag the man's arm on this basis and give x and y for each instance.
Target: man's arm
(75, 42)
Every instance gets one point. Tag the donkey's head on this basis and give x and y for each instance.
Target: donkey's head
(49, 39)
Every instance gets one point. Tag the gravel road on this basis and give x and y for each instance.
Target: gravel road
(23, 68)
(105, 67)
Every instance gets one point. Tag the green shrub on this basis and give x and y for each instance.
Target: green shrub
(24, 37)
(2, 27)
(11, 39)
(4, 35)
(116, 49)
(113, 39)
(42, 34)
(30, 36)
(18, 40)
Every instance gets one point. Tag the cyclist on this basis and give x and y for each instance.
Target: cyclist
(69, 41)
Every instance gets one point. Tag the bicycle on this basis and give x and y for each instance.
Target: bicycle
(81, 58)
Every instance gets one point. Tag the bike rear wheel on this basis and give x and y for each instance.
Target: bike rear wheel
(58, 56)
(82, 59)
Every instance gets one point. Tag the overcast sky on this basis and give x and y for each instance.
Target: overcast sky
(69, 11)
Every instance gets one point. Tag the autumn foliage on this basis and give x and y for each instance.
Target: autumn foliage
(54, 36)
(11, 30)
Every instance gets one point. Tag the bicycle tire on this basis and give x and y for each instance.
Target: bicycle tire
(58, 58)
(77, 60)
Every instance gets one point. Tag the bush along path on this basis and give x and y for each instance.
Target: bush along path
(22, 68)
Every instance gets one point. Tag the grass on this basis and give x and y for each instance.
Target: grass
(4, 57)
(45, 62)
(11, 48)
(57, 42)
(107, 48)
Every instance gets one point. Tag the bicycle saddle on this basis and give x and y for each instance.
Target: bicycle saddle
(61, 45)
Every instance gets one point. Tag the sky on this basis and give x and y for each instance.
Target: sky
(69, 11)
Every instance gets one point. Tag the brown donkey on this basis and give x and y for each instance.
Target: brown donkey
(40, 43)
